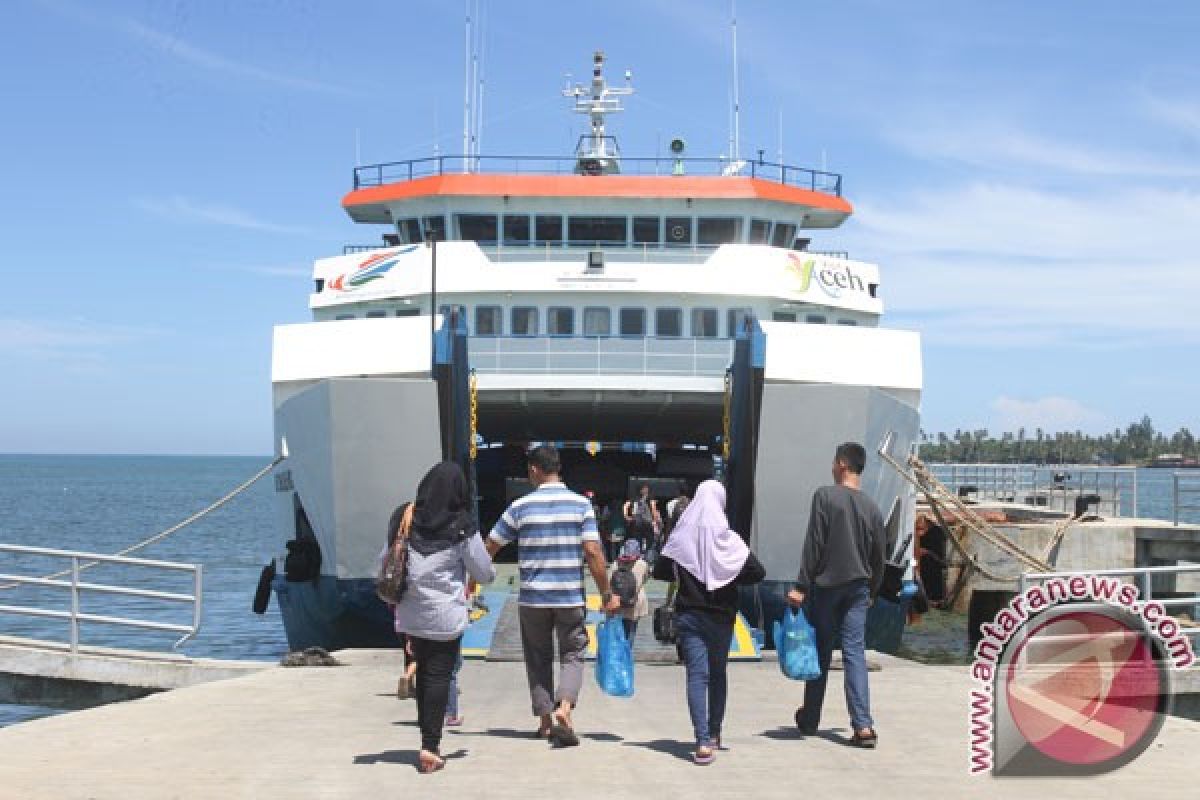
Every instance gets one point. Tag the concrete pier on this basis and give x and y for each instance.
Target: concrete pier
(336, 732)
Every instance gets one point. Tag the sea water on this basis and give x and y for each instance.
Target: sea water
(103, 504)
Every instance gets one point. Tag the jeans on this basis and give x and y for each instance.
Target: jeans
(830, 610)
(704, 647)
(435, 665)
(452, 695)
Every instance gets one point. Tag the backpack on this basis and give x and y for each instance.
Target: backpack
(393, 573)
(624, 585)
(643, 517)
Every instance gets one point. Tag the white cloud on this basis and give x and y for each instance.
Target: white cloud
(1004, 148)
(177, 48)
(182, 209)
(80, 342)
(1051, 414)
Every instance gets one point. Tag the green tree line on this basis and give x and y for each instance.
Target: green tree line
(1137, 444)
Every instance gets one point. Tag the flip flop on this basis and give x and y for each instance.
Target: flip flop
(562, 734)
(866, 740)
(704, 758)
(427, 766)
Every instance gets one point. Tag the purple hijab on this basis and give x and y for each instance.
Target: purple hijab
(702, 542)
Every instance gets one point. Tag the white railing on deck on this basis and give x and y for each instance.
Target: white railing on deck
(600, 355)
(1053, 486)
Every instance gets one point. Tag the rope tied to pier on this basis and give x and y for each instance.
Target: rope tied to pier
(174, 528)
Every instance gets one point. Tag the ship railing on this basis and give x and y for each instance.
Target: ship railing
(397, 171)
(1185, 487)
(1174, 586)
(645, 252)
(601, 355)
(1053, 487)
(78, 562)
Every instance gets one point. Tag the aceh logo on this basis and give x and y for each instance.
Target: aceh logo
(1073, 678)
(372, 268)
(830, 281)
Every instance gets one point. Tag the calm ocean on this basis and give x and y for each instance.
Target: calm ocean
(105, 503)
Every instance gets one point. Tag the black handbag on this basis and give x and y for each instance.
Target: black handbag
(665, 629)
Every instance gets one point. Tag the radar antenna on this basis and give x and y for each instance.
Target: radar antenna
(597, 153)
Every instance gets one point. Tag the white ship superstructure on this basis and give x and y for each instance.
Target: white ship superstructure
(671, 306)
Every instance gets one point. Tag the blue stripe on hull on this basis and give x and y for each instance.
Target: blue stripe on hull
(334, 614)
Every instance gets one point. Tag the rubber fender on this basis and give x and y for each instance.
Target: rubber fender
(262, 595)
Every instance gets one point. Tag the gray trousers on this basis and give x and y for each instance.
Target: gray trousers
(539, 627)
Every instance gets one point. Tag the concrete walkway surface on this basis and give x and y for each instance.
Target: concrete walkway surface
(340, 732)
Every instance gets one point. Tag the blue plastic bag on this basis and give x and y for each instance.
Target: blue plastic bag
(796, 645)
(614, 659)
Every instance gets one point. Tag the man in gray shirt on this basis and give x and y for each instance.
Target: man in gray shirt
(841, 568)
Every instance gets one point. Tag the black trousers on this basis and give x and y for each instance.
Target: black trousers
(435, 664)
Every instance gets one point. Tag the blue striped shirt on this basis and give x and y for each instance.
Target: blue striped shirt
(549, 526)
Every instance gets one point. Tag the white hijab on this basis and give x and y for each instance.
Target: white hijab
(702, 542)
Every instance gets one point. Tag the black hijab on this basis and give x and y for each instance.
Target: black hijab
(441, 518)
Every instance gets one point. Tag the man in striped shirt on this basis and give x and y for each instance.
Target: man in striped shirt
(555, 532)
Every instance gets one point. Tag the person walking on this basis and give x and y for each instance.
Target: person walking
(709, 561)
(627, 578)
(444, 549)
(642, 520)
(555, 532)
(841, 567)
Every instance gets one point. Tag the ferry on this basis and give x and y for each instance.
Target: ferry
(663, 319)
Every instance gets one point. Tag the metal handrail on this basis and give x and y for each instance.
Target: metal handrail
(601, 354)
(396, 171)
(1184, 483)
(1144, 577)
(75, 616)
(1116, 485)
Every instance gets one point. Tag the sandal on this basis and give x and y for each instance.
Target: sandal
(453, 721)
(561, 732)
(428, 762)
(866, 740)
(704, 755)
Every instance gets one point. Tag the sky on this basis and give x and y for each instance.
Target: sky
(1026, 174)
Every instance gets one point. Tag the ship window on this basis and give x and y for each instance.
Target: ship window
(717, 230)
(524, 321)
(815, 319)
(344, 316)
(488, 321)
(668, 322)
(785, 234)
(548, 230)
(376, 313)
(646, 230)
(408, 311)
(632, 322)
(597, 322)
(516, 229)
(411, 229)
(679, 230)
(760, 231)
(597, 230)
(784, 316)
(736, 320)
(704, 323)
(479, 228)
(435, 228)
(560, 321)
(847, 322)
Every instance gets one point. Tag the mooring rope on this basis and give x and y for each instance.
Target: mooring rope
(179, 526)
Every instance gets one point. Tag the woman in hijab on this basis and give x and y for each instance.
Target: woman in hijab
(709, 561)
(444, 548)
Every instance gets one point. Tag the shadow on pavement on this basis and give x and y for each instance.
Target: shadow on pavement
(401, 757)
(670, 747)
(790, 733)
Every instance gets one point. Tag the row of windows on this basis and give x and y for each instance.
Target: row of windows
(598, 321)
(583, 231)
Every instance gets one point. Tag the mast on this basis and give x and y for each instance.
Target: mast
(597, 152)
(466, 146)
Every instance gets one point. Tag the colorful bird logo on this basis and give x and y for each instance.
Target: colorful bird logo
(372, 268)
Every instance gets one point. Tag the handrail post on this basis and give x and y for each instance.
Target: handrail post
(74, 604)
(1175, 497)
